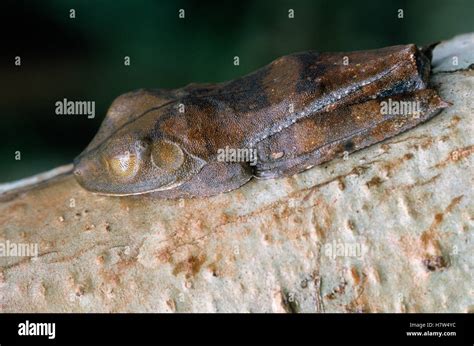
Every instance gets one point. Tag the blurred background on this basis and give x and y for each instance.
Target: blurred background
(83, 58)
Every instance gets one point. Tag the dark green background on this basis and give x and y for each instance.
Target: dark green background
(82, 58)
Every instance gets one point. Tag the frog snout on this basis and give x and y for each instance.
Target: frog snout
(84, 170)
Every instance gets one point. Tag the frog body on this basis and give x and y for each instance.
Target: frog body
(299, 111)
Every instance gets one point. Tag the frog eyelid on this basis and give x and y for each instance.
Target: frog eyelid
(166, 155)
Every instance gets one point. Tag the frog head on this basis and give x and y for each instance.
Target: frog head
(136, 160)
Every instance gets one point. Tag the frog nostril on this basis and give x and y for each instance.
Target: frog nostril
(77, 172)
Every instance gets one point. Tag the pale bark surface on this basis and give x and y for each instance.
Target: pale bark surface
(403, 206)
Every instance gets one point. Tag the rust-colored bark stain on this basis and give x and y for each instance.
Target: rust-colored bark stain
(435, 263)
(456, 156)
(337, 291)
(214, 269)
(418, 183)
(390, 166)
(360, 303)
(355, 276)
(433, 258)
(374, 182)
(352, 225)
(341, 183)
(191, 266)
(454, 121)
(425, 144)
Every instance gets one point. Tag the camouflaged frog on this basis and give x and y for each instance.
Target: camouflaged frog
(299, 111)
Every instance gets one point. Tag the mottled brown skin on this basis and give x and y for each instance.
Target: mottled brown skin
(309, 106)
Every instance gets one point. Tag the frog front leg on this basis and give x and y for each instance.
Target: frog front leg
(213, 179)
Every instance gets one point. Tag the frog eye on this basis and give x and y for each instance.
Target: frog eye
(124, 165)
(167, 155)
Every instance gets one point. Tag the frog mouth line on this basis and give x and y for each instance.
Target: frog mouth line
(121, 194)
